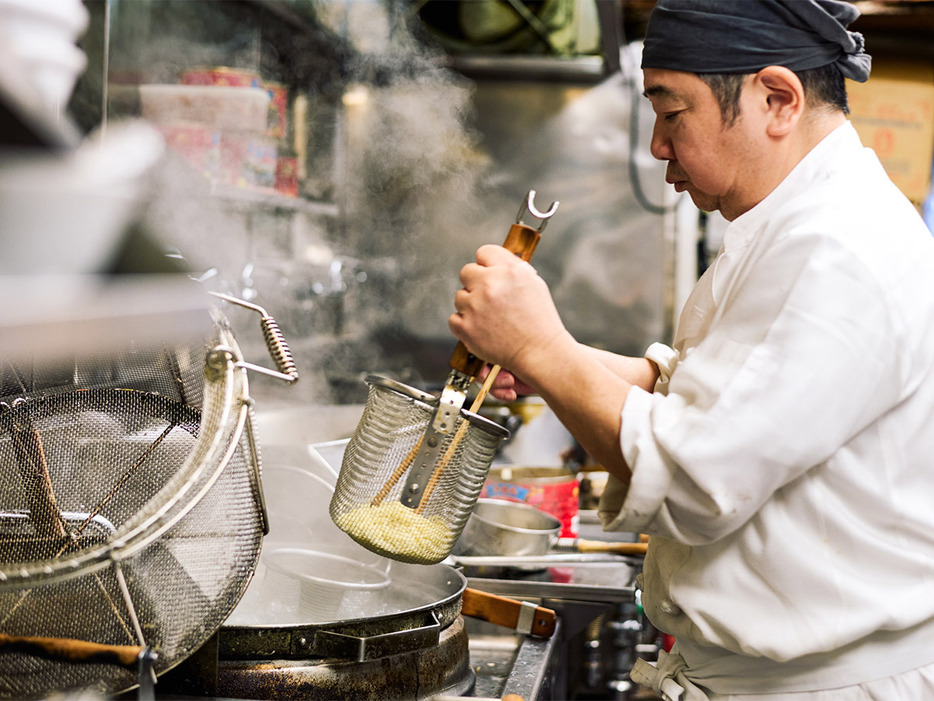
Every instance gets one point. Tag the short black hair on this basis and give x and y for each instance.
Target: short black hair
(822, 86)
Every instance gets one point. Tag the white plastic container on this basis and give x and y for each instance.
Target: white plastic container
(67, 215)
(217, 106)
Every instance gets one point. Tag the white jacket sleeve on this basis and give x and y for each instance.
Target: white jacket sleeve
(796, 361)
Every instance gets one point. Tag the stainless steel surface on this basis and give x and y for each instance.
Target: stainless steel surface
(505, 528)
(591, 577)
(520, 563)
(600, 625)
(529, 674)
(97, 314)
(408, 615)
(584, 585)
(511, 664)
(410, 644)
(498, 657)
(441, 668)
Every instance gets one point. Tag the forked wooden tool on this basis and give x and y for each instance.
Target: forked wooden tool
(426, 462)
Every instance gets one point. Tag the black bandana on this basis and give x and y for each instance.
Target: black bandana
(745, 36)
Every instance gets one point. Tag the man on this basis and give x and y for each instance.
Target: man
(781, 455)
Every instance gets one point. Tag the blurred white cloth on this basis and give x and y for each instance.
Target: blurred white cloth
(39, 40)
(666, 678)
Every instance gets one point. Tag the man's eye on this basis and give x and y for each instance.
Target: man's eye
(671, 116)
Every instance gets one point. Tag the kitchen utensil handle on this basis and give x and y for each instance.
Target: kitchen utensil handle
(602, 546)
(446, 458)
(46, 516)
(510, 613)
(72, 650)
(521, 240)
(363, 648)
(278, 348)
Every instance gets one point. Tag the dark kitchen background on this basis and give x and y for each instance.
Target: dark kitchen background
(401, 136)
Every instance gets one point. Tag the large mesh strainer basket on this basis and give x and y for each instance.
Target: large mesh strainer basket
(131, 513)
(368, 499)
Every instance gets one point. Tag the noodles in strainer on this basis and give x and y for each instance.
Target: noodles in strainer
(395, 528)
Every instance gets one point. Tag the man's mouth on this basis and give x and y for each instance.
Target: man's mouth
(680, 182)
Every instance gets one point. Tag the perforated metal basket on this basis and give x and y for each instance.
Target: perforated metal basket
(131, 513)
(368, 499)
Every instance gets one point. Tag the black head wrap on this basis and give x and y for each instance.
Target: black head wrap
(745, 36)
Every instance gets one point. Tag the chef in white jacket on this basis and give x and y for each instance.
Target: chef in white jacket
(781, 453)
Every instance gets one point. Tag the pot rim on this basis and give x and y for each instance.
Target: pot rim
(518, 506)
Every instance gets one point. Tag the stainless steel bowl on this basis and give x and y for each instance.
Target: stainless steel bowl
(499, 527)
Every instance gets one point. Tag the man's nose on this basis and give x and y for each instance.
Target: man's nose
(660, 146)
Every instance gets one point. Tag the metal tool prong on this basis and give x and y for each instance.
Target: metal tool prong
(529, 205)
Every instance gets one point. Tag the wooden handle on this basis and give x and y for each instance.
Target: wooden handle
(602, 546)
(44, 511)
(72, 650)
(505, 612)
(466, 362)
(521, 240)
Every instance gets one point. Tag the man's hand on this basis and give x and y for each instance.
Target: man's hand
(507, 387)
(505, 313)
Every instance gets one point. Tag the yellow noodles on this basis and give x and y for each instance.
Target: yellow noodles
(394, 528)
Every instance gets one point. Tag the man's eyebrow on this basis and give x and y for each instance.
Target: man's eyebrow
(658, 91)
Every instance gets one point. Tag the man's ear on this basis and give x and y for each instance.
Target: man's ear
(784, 96)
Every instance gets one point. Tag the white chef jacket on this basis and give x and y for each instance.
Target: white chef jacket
(787, 475)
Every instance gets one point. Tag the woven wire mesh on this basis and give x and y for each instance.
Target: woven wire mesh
(135, 466)
(394, 420)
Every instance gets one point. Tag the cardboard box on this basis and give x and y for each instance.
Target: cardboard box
(893, 112)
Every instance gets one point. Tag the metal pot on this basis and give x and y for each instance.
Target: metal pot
(498, 527)
(411, 644)
(554, 490)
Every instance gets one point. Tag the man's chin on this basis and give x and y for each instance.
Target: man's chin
(703, 201)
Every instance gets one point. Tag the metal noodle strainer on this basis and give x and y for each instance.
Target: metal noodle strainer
(131, 510)
(416, 463)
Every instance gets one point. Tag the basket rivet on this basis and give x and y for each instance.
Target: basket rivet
(433, 441)
(414, 488)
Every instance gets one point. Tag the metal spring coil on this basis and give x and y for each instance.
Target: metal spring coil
(278, 348)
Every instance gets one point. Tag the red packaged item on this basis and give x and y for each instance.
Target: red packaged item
(287, 175)
(554, 490)
(247, 161)
(277, 116)
(197, 144)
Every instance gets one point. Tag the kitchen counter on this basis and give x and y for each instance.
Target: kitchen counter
(511, 664)
(581, 587)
